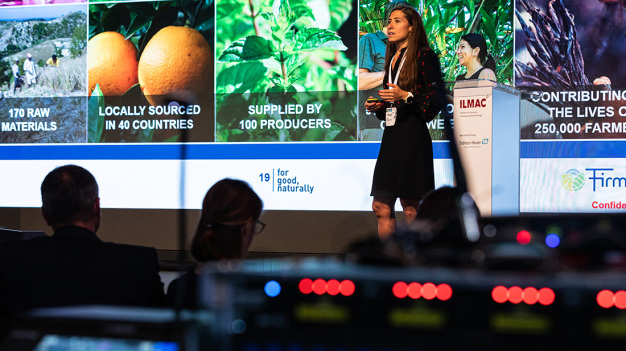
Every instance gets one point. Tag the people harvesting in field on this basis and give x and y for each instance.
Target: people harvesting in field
(53, 61)
(29, 69)
(17, 77)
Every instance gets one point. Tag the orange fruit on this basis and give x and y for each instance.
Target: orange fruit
(176, 62)
(112, 63)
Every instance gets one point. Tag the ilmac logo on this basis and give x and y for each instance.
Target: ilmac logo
(473, 103)
(573, 180)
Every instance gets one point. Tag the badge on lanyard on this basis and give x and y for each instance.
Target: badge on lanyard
(390, 119)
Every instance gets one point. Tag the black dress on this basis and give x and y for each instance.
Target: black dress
(404, 167)
(474, 76)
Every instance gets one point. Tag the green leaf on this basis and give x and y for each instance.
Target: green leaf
(165, 16)
(267, 16)
(470, 7)
(279, 89)
(95, 16)
(345, 74)
(137, 24)
(283, 19)
(143, 8)
(190, 7)
(286, 13)
(204, 22)
(301, 9)
(248, 49)
(115, 17)
(277, 81)
(273, 65)
(489, 27)
(133, 96)
(95, 122)
(340, 11)
(453, 5)
(228, 7)
(289, 11)
(309, 39)
(293, 62)
(292, 79)
(242, 77)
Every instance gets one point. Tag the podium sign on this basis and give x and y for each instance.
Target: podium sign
(486, 128)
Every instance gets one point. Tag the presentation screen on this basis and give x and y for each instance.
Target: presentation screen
(161, 99)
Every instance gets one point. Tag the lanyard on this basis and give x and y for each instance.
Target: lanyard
(398, 72)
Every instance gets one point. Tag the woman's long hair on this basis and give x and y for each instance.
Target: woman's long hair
(417, 41)
(476, 40)
(225, 209)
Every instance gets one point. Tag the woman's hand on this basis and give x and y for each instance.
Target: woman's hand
(394, 93)
(373, 106)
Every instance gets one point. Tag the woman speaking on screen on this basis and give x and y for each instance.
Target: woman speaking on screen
(404, 168)
(473, 55)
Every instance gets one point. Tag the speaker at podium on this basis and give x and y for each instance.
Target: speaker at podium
(487, 133)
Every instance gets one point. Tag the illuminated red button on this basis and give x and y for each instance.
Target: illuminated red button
(444, 292)
(605, 298)
(332, 287)
(620, 299)
(530, 295)
(400, 290)
(515, 294)
(415, 290)
(429, 291)
(523, 237)
(500, 294)
(306, 286)
(546, 296)
(346, 288)
(319, 286)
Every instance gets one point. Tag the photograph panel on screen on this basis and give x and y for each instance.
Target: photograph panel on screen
(4, 3)
(44, 76)
(568, 57)
(445, 25)
(151, 71)
(286, 70)
(573, 117)
(318, 165)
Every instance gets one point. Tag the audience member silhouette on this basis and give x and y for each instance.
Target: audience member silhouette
(73, 266)
(228, 223)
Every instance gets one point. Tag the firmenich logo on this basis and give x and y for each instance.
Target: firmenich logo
(573, 180)
(603, 178)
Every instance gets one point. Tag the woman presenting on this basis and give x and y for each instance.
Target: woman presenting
(404, 168)
(472, 54)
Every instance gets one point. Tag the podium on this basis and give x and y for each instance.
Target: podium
(487, 132)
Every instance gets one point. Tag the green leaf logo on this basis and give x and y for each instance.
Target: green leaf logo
(573, 180)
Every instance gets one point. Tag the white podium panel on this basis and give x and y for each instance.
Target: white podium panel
(487, 132)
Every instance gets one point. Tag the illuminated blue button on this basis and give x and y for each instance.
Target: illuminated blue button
(272, 288)
(553, 240)
(165, 346)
